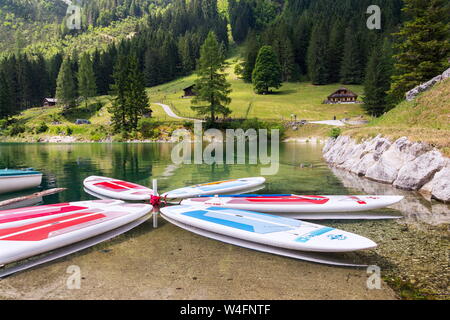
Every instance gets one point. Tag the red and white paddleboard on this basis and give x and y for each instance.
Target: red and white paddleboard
(31, 239)
(18, 217)
(117, 189)
(296, 203)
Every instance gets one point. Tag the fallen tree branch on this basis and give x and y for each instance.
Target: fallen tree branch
(31, 196)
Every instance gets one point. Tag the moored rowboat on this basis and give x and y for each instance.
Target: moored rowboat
(15, 180)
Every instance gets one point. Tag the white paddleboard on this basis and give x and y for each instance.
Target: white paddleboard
(117, 189)
(267, 229)
(218, 187)
(21, 216)
(307, 256)
(297, 203)
(28, 240)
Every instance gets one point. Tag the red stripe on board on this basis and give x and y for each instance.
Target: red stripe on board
(52, 225)
(110, 186)
(129, 185)
(358, 200)
(11, 217)
(24, 209)
(283, 199)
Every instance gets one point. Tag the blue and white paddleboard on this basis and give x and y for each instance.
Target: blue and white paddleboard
(218, 187)
(264, 229)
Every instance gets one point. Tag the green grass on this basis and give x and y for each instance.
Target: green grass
(425, 119)
(302, 99)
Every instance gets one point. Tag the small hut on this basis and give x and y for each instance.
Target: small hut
(50, 102)
(189, 91)
(342, 95)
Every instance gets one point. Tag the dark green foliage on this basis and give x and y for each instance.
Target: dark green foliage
(267, 73)
(422, 45)
(377, 80)
(130, 101)
(87, 86)
(318, 53)
(211, 85)
(352, 68)
(66, 92)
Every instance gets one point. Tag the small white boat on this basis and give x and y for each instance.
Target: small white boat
(14, 180)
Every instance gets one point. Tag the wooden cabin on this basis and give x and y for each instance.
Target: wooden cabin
(342, 95)
(50, 102)
(189, 91)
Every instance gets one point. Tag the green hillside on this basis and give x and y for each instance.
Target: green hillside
(299, 98)
(427, 118)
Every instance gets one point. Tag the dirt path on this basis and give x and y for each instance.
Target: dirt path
(171, 263)
(172, 114)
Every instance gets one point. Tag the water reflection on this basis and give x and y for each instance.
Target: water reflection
(302, 171)
(414, 207)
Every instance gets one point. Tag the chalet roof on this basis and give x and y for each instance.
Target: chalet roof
(346, 93)
(51, 100)
(190, 87)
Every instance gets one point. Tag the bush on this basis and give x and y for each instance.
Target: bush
(148, 128)
(334, 132)
(41, 128)
(16, 129)
(69, 131)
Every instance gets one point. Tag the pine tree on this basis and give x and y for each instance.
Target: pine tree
(137, 98)
(336, 49)
(351, 66)
(119, 91)
(423, 45)
(5, 98)
(86, 78)
(65, 85)
(130, 100)
(377, 80)
(211, 85)
(318, 53)
(267, 72)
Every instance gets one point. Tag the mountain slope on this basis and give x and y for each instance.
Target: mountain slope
(427, 119)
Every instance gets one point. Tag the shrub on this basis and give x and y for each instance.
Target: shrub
(334, 132)
(148, 128)
(16, 129)
(41, 128)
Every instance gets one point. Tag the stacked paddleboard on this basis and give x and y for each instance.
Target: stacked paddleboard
(302, 207)
(30, 231)
(264, 232)
(117, 189)
(218, 187)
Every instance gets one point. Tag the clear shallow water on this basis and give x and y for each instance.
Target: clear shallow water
(403, 253)
(301, 171)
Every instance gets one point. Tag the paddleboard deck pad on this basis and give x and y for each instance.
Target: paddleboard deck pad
(26, 215)
(268, 230)
(218, 187)
(17, 243)
(117, 189)
(287, 203)
(67, 250)
(306, 256)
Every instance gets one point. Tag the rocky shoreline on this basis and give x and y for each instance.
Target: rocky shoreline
(404, 164)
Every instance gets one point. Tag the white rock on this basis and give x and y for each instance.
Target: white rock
(400, 152)
(441, 185)
(413, 175)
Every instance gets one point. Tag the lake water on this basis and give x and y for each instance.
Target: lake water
(421, 236)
